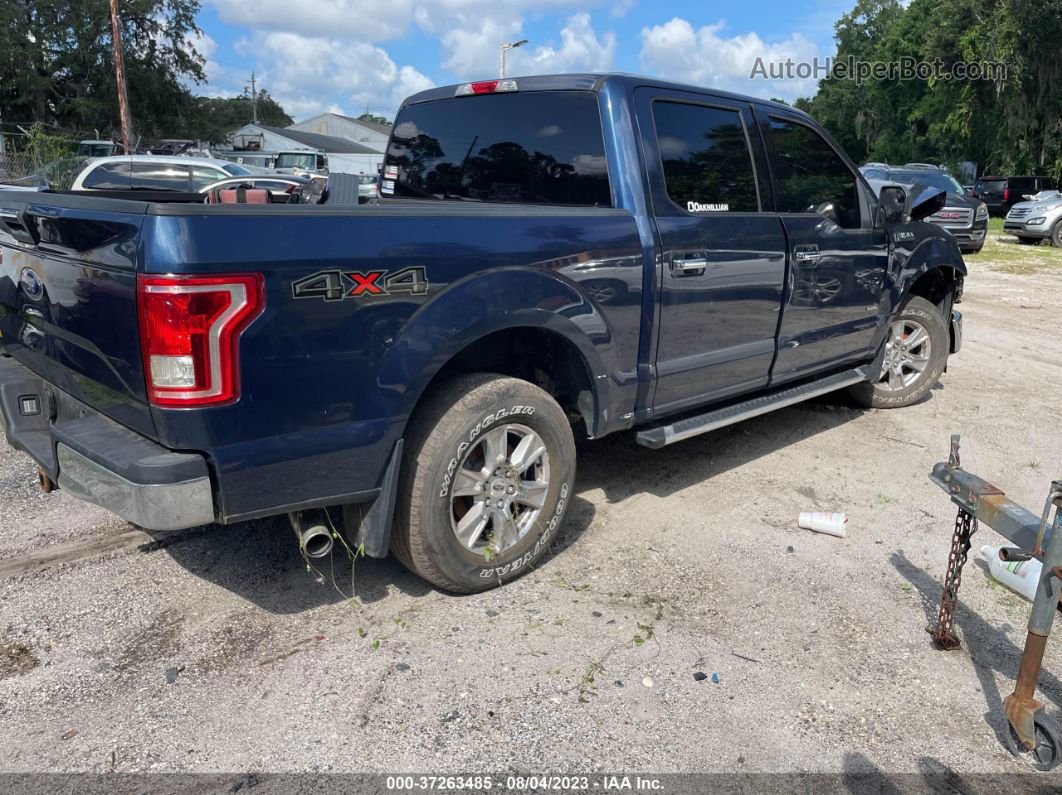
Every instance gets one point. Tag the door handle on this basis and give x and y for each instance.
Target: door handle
(807, 253)
(688, 263)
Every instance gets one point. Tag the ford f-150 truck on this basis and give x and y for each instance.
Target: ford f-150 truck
(549, 257)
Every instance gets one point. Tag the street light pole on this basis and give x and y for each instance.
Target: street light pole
(501, 54)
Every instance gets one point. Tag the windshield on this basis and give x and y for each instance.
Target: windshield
(95, 150)
(236, 170)
(537, 148)
(933, 179)
(295, 160)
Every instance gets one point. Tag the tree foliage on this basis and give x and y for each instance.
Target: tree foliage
(214, 118)
(1008, 125)
(57, 69)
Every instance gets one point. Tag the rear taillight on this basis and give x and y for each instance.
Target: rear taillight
(1006, 194)
(189, 335)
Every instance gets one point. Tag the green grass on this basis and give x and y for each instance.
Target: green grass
(1003, 252)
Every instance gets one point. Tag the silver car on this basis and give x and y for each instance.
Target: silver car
(1037, 219)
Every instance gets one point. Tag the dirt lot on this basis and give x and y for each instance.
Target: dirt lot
(215, 650)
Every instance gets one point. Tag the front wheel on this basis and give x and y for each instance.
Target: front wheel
(1056, 234)
(916, 350)
(488, 476)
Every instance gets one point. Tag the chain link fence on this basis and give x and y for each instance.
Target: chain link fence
(21, 169)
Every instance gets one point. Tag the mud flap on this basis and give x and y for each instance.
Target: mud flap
(374, 525)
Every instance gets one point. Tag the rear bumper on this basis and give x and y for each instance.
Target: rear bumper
(98, 460)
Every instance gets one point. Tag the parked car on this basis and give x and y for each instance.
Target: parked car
(155, 172)
(368, 186)
(1002, 193)
(1036, 220)
(964, 217)
(422, 363)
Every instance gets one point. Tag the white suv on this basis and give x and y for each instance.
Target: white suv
(156, 172)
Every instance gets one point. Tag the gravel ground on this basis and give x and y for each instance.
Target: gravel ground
(215, 651)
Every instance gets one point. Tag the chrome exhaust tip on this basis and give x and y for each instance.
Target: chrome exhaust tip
(313, 533)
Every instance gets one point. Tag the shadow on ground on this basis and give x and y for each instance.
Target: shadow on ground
(990, 650)
(260, 560)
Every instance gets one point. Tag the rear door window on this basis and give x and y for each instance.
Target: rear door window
(809, 176)
(537, 148)
(705, 157)
(108, 176)
(161, 176)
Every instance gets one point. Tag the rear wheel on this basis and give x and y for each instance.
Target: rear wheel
(1028, 241)
(487, 478)
(916, 350)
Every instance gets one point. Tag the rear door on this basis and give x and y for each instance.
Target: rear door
(723, 258)
(68, 299)
(834, 297)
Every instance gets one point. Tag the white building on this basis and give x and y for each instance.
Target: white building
(344, 155)
(339, 126)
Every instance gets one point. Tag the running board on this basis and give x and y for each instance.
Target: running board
(663, 435)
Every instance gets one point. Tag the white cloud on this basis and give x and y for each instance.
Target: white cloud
(472, 51)
(355, 19)
(580, 51)
(310, 75)
(206, 47)
(676, 51)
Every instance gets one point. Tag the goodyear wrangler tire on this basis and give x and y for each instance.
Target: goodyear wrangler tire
(488, 475)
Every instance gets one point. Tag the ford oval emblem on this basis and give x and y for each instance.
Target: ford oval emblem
(31, 283)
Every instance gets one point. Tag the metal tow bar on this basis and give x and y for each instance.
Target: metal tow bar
(1033, 735)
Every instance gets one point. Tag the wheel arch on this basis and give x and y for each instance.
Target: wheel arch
(519, 322)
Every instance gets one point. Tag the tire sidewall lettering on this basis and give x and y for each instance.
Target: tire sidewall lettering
(540, 543)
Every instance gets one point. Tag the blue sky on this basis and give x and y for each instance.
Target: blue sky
(349, 55)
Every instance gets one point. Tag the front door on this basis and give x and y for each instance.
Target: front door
(835, 302)
(722, 258)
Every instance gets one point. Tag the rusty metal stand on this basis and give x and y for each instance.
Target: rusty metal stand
(977, 500)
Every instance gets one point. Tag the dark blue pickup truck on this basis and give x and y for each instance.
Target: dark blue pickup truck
(549, 257)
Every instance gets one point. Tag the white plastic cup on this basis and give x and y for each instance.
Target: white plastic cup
(834, 524)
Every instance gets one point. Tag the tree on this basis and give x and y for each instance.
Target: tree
(56, 63)
(366, 116)
(1011, 123)
(213, 119)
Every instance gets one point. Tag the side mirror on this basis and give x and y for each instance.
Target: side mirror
(926, 201)
(892, 206)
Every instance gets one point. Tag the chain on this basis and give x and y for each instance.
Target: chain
(965, 527)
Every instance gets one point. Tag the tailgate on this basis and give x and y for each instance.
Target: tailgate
(68, 299)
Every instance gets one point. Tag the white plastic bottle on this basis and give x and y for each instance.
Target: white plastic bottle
(1021, 577)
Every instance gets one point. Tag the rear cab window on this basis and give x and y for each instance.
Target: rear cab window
(541, 147)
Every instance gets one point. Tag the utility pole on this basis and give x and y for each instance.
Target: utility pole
(501, 54)
(254, 99)
(119, 74)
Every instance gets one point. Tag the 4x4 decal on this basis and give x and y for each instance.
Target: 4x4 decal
(335, 285)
